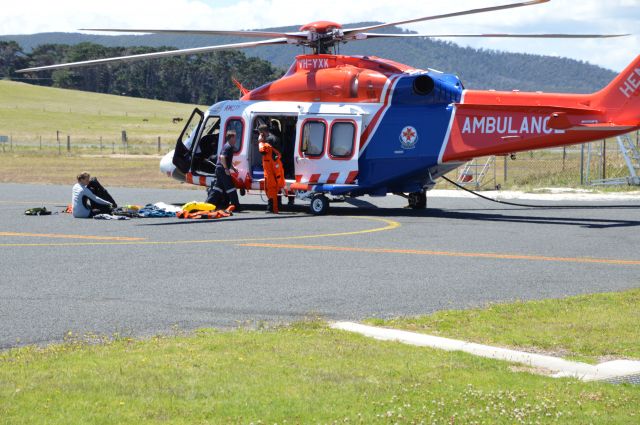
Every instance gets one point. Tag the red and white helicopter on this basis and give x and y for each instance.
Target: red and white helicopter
(364, 125)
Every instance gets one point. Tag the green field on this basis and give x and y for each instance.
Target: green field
(28, 113)
(309, 373)
(31, 115)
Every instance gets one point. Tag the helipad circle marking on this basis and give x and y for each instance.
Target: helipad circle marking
(390, 225)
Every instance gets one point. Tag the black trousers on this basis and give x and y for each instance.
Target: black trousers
(95, 207)
(223, 187)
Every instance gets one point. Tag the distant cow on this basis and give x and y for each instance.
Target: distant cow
(177, 120)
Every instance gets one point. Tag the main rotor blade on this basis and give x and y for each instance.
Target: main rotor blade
(374, 35)
(349, 31)
(168, 53)
(203, 32)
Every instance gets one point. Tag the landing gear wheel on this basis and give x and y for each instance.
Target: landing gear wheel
(418, 200)
(319, 204)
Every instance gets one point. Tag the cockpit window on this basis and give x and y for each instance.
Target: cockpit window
(211, 125)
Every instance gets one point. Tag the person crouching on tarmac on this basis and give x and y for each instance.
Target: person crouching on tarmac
(85, 203)
(224, 184)
(272, 166)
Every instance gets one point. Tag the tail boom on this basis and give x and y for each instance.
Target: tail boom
(499, 123)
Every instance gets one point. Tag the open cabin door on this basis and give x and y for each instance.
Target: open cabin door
(326, 148)
(182, 155)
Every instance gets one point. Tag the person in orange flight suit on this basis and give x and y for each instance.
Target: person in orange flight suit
(272, 166)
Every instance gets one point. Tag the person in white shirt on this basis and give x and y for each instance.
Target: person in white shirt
(81, 195)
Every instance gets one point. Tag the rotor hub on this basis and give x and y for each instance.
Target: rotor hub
(321, 27)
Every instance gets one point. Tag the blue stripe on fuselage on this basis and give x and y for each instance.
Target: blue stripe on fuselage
(388, 165)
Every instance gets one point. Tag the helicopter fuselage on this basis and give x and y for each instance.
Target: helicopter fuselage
(354, 125)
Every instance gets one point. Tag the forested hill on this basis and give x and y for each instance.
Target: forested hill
(478, 69)
(201, 79)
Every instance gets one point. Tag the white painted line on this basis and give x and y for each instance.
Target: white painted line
(559, 367)
(555, 194)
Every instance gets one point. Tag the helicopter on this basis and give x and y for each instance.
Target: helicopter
(363, 125)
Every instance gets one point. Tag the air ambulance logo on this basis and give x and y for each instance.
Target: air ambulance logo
(408, 137)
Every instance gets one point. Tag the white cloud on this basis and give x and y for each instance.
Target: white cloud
(585, 16)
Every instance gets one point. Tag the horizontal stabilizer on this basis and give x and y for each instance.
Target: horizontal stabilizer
(600, 127)
(525, 108)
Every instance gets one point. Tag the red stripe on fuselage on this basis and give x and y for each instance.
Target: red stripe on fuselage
(333, 177)
(374, 122)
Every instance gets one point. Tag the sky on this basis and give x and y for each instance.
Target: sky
(568, 16)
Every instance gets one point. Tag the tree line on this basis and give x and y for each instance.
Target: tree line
(201, 79)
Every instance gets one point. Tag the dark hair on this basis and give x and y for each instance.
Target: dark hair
(230, 134)
(83, 175)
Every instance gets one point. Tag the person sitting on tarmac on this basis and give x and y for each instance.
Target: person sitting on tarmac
(85, 202)
(223, 183)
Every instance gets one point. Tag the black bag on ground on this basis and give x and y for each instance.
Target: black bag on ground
(99, 190)
(37, 211)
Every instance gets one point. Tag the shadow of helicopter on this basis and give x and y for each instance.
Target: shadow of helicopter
(494, 215)
(367, 209)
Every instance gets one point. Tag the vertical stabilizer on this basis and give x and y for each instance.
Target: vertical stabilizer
(621, 98)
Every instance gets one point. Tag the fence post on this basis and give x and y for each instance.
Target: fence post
(124, 140)
(100, 144)
(604, 159)
(582, 165)
(505, 169)
(58, 136)
(40, 142)
(68, 143)
(158, 144)
(113, 147)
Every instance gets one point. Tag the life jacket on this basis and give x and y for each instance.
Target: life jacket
(206, 215)
(198, 206)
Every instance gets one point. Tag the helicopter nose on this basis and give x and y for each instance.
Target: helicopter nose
(166, 164)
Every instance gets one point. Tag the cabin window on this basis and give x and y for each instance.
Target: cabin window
(313, 135)
(237, 125)
(342, 139)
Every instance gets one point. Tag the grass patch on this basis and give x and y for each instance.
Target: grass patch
(113, 171)
(590, 328)
(28, 112)
(302, 373)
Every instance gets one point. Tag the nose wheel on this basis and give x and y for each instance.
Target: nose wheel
(417, 200)
(319, 204)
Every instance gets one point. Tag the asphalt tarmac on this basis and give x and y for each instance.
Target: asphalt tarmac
(368, 258)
